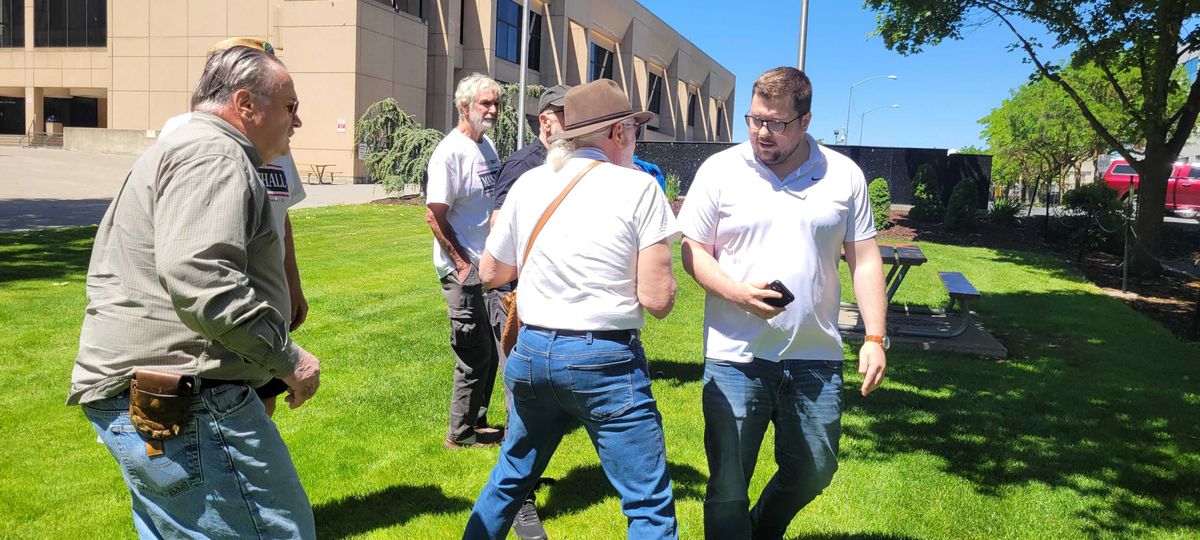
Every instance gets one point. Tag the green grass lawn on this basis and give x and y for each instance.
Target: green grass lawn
(1091, 428)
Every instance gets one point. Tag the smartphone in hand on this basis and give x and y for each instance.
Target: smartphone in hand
(778, 287)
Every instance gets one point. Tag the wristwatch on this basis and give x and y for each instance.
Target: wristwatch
(883, 341)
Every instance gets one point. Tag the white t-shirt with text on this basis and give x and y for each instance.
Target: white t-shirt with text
(462, 175)
(765, 228)
(582, 270)
(280, 177)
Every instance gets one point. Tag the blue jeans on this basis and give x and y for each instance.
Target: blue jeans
(228, 475)
(557, 380)
(803, 400)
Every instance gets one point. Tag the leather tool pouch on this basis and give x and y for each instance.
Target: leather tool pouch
(160, 403)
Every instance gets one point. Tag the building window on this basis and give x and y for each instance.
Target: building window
(720, 122)
(416, 8)
(600, 63)
(70, 23)
(654, 93)
(691, 112)
(462, 18)
(508, 33)
(12, 23)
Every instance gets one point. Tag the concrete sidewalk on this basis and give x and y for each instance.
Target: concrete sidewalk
(43, 188)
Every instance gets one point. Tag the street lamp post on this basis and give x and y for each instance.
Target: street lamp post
(803, 34)
(850, 102)
(864, 116)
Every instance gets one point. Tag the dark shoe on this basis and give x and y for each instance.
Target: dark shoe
(527, 525)
(482, 440)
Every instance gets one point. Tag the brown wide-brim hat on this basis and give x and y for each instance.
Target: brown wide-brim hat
(594, 106)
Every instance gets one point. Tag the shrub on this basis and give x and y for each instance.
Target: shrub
(398, 147)
(960, 211)
(881, 202)
(504, 132)
(927, 196)
(673, 186)
(1093, 208)
(1004, 211)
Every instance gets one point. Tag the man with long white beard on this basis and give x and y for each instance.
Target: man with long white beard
(460, 195)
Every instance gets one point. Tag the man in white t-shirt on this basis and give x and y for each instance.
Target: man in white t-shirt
(778, 208)
(284, 190)
(460, 194)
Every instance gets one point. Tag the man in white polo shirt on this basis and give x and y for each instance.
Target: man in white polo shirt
(460, 195)
(778, 208)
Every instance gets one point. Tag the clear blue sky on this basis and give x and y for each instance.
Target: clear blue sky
(942, 92)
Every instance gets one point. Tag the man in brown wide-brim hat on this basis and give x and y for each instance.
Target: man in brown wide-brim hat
(602, 258)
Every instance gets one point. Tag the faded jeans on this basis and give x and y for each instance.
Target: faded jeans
(555, 381)
(228, 475)
(803, 400)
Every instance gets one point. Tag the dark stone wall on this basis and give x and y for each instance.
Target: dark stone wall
(897, 165)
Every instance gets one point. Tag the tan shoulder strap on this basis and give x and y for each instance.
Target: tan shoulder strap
(553, 206)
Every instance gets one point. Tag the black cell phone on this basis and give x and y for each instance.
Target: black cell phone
(778, 287)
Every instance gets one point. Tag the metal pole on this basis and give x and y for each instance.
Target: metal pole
(850, 101)
(524, 65)
(861, 119)
(803, 33)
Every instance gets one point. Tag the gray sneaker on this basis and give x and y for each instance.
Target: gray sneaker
(527, 525)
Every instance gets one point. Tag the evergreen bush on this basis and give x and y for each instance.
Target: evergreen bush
(398, 147)
(881, 202)
(960, 211)
(927, 196)
(504, 132)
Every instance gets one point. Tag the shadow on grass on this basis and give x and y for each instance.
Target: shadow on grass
(851, 536)
(1099, 400)
(583, 487)
(50, 253)
(393, 506)
(662, 369)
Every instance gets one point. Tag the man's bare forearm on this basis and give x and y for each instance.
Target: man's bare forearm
(866, 274)
(443, 233)
(699, 263)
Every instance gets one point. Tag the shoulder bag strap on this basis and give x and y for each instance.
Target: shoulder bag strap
(554, 206)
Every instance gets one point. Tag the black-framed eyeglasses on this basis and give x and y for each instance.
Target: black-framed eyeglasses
(774, 126)
(293, 107)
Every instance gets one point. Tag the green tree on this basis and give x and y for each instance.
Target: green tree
(398, 147)
(881, 202)
(504, 132)
(1116, 35)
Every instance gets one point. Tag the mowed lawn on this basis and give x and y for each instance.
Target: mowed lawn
(1091, 428)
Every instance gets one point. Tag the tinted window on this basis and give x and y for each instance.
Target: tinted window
(1123, 169)
(601, 63)
(1194, 173)
(691, 112)
(12, 23)
(70, 23)
(720, 122)
(654, 93)
(508, 34)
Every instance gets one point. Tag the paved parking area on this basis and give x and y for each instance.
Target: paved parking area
(51, 188)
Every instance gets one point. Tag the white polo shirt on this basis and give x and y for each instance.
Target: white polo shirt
(462, 175)
(765, 228)
(582, 270)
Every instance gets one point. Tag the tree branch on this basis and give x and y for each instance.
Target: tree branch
(1101, 130)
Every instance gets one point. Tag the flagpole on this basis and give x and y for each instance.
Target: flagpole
(524, 65)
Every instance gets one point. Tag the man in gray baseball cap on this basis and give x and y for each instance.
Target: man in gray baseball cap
(550, 117)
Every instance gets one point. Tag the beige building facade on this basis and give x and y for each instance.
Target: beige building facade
(131, 64)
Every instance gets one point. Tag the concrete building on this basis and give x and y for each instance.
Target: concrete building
(128, 65)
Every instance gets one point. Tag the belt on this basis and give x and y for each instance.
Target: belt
(609, 335)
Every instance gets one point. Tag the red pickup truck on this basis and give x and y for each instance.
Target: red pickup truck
(1183, 187)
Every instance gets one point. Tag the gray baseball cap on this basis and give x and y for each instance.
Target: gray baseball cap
(555, 96)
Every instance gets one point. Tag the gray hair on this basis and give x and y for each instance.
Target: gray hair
(470, 87)
(563, 150)
(231, 70)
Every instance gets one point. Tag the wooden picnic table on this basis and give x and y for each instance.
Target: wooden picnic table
(901, 259)
(318, 170)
